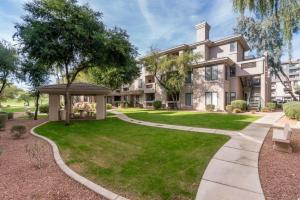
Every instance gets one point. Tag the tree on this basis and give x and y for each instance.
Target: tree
(8, 64)
(171, 70)
(25, 97)
(36, 75)
(265, 36)
(114, 77)
(285, 12)
(72, 37)
(297, 90)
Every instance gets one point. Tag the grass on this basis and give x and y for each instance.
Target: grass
(135, 161)
(14, 109)
(196, 119)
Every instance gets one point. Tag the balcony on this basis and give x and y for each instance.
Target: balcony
(250, 67)
(149, 88)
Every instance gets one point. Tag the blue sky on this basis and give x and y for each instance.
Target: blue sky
(150, 23)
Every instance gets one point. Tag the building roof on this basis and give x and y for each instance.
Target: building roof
(209, 43)
(75, 89)
(225, 60)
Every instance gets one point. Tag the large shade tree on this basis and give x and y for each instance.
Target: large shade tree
(114, 77)
(170, 70)
(36, 75)
(63, 34)
(8, 64)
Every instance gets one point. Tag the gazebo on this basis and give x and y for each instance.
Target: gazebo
(76, 89)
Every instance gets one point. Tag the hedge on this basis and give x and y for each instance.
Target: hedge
(292, 109)
(271, 106)
(108, 106)
(157, 105)
(229, 108)
(240, 104)
(3, 119)
(44, 109)
(210, 107)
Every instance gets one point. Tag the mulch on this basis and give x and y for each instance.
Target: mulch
(280, 172)
(21, 179)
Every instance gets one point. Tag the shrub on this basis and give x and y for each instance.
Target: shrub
(229, 108)
(17, 131)
(10, 115)
(3, 119)
(108, 106)
(265, 109)
(271, 106)
(237, 110)
(292, 109)
(44, 109)
(240, 104)
(210, 107)
(157, 105)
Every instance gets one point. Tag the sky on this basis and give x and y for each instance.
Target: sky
(159, 24)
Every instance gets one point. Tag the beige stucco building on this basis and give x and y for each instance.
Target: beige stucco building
(223, 74)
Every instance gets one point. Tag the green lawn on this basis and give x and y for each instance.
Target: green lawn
(135, 161)
(196, 119)
(15, 109)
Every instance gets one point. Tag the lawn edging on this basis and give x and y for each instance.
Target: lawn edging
(72, 174)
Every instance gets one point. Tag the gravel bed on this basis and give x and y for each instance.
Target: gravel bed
(280, 172)
(20, 177)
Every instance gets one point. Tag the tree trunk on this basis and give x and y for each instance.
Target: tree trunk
(67, 105)
(36, 105)
(2, 87)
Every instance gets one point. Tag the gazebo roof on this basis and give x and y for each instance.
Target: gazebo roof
(75, 89)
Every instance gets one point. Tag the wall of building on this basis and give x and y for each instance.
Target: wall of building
(200, 86)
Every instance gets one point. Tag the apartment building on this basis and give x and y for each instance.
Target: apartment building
(222, 75)
(278, 91)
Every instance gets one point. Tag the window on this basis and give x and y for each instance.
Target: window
(232, 71)
(140, 83)
(211, 98)
(188, 99)
(232, 96)
(227, 98)
(233, 47)
(189, 78)
(211, 73)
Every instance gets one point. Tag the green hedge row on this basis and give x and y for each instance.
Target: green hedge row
(292, 109)
(239, 104)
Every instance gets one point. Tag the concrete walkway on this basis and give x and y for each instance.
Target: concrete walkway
(232, 174)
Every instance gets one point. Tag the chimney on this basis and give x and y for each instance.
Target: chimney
(202, 31)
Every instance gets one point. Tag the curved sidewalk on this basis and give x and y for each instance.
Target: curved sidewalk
(233, 171)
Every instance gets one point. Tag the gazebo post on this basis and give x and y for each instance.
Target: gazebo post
(54, 106)
(100, 107)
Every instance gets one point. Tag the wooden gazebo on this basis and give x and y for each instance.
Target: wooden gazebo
(76, 89)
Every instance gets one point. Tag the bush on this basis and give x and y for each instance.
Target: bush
(240, 104)
(237, 110)
(265, 109)
(271, 106)
(292, 109)
(229, 108)
(157, 105)
(10, 115)
(17, 131)
(44, 109)
(3, 119)
(108, 106)
(209, 107)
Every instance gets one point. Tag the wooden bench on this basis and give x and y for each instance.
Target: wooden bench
(282, 139)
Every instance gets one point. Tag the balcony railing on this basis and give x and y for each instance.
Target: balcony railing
(250, 67)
